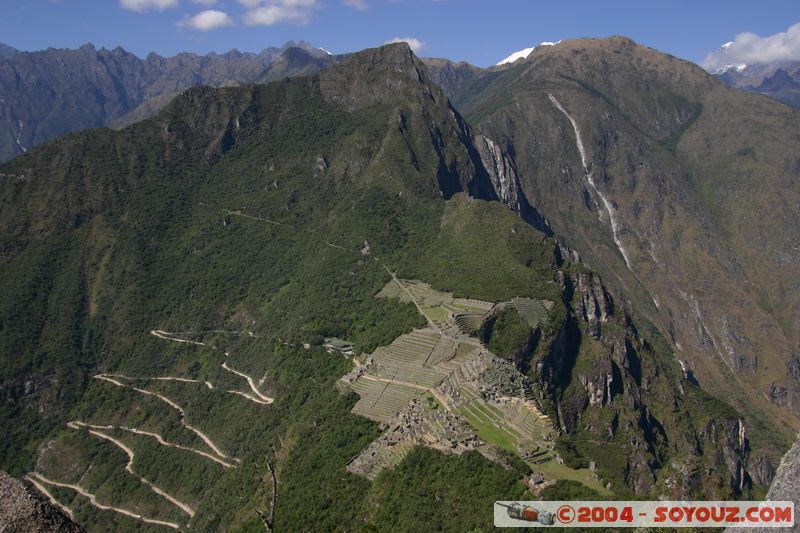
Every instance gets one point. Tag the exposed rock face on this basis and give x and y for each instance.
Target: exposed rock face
(608, 385)
(379, 75)
(24, 511)
(52, 92)
(453, 78)
(785, 487)
(595, 303)
(686, 221)
(504, 181)
(501, 172)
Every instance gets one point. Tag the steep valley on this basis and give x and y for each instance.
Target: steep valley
(629, 156)
(558, 282)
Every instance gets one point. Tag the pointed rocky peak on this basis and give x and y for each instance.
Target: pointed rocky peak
(296, 56)
(372, 74)
(23, 509)
(779, 80)
(7, 52)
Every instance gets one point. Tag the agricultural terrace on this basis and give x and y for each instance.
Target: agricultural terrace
(449, 367)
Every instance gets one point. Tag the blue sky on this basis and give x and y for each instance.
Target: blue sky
(479, 31)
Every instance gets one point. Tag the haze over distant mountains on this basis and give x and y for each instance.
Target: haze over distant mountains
(780, 80)
(583, 261)
(55, 91)
(47, 93)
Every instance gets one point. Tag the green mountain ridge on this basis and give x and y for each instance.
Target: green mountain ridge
(217, 244)
(52, 92)
(694, 191)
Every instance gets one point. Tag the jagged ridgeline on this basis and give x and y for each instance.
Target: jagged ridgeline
(167, 290)
(679, 191)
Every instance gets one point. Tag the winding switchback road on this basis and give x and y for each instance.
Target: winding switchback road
(93, 501)
(178, 408)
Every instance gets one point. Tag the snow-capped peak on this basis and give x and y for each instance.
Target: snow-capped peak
(738, 68)
(524, 53)
(325, 51)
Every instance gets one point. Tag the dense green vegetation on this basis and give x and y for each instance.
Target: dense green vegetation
(253, 221)
(505, 332)
(156, 241)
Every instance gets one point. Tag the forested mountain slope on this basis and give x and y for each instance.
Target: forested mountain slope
(167, 288)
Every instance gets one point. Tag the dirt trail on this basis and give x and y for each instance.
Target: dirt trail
(284, 224)
(264, 399)
(267, 220)
(431, 323)
(178, 408)
(94, 430)
(259, 398)
(93, 501)
(163, 442)
(167, 336)
(163, 378)
(249, 397)
(41, 488)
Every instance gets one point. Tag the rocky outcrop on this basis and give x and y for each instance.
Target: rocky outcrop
(54, 91)
(501, 172)
(785, 487)
(595, 305)
(606, 384)
(24, 511)
(504, 183)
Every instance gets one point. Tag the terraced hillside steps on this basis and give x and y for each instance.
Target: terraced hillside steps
(469, 322)
(533, 312)
(405, 359)
(394, 289)
(380, 400)
(444, 350)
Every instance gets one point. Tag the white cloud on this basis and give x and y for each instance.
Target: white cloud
(207, 3)
(360, 5)
(208, 20)
(144, 5)
(748, 48)
(415, 44)
(271, 12)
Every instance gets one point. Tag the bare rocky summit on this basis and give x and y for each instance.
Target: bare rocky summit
(24, 511)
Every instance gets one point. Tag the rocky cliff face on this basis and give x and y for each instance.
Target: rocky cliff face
(629, 157)
(780, 80)
(623, 403)
(785, 487)
(52, 92)
(22, 510)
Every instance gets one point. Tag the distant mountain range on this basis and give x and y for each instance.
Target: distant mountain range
(48, 93)
(163, 281)
(51, 92)
(780, 81)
